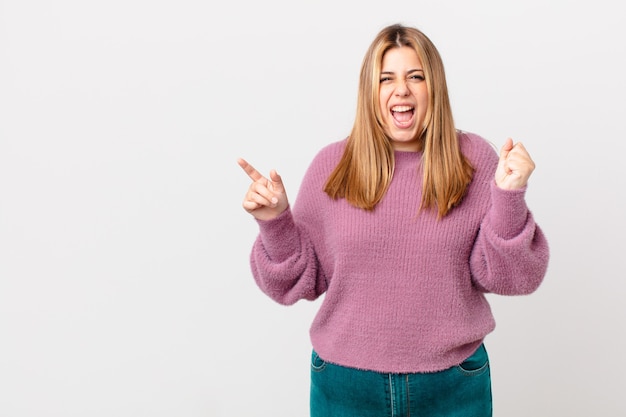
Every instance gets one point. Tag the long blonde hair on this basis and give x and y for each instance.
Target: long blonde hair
(365, 170)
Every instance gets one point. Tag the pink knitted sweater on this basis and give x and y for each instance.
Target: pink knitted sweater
(402, 292)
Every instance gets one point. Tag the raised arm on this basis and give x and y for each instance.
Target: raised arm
(510, 255)
(282, 260)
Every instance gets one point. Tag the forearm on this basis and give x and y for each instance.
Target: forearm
(283, 262)
(510, 255)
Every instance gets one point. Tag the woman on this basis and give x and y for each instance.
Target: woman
(403, 226)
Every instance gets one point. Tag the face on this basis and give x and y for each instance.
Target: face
(403, 98)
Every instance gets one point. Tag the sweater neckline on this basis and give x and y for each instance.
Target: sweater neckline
(403, 157)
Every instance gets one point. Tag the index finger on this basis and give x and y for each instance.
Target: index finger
(520, 145)
(250, 170)
(520, 149)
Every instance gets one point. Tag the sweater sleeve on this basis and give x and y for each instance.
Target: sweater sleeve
(510, 254)
(283, 261)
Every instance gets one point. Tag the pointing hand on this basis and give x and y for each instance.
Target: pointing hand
(266, 197)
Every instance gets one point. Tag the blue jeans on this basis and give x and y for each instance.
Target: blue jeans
(462, 391)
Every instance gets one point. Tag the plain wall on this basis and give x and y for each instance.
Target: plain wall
(125, 288)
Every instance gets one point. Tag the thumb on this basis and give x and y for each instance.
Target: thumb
(506, 148)
(277, 181)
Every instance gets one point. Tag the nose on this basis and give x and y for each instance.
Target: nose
(402, 89)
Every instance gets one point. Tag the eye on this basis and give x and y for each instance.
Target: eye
(417, 77)
(384, 79)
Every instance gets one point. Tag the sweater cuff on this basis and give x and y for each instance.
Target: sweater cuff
(509, 211)
(279, 236)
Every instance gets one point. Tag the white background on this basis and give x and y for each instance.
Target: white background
(125, 288)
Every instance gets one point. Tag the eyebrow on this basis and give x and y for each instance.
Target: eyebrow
(408, 72)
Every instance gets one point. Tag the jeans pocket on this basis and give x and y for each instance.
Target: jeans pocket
(317, 364)
(476, 364)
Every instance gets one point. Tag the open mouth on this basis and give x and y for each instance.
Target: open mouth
(402, 114)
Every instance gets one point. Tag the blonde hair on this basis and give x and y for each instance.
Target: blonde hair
(365, 170)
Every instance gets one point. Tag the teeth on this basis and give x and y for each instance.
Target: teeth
(401, 108)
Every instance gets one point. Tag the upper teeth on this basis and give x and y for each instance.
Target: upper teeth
(401, 108)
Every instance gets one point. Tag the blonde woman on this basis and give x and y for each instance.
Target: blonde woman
(402, 227)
